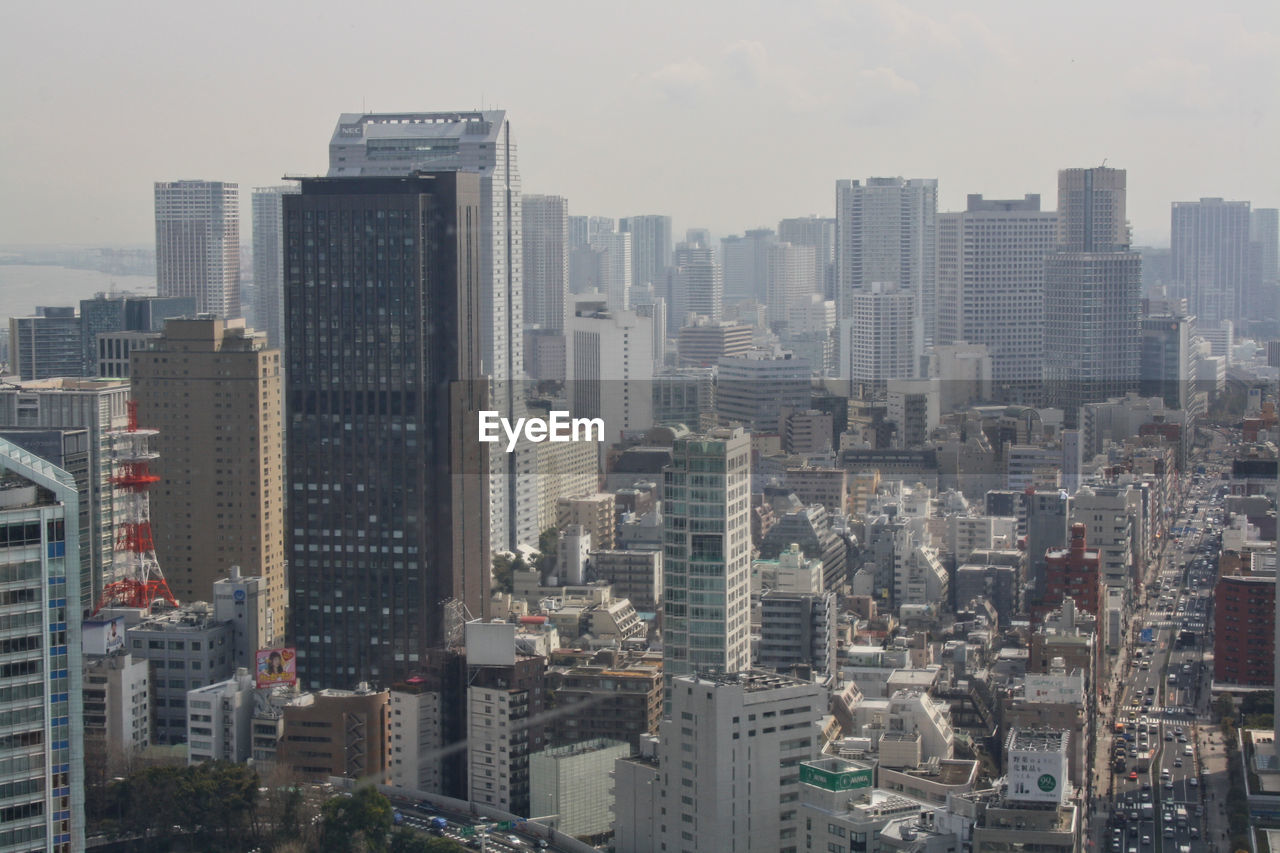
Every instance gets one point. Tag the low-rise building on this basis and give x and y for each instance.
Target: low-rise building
(571, 785)
(219, 720)
(342, 733)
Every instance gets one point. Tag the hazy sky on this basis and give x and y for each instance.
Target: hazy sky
(727, 114)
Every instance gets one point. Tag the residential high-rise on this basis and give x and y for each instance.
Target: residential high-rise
(546, 261)
(706, 516)
(650, 247)
(1093, 292)
(398, 144)
(991, 286)
(695, 285)
(198, 244)
(819, 233)
(1263, 290)
(108, 315)
(43, 769)
(386, 473)
(879, 337)
(746, 264)
(609, 365)
(268, 261)
(790, 281)
(46, 345)
(212, 390)
(722, 787)
(613, 268)
(886, 231)
(1210, 243)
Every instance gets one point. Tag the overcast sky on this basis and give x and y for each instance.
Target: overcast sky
(727, 114)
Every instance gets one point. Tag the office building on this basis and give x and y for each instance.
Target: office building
(198, 244)
(798, 630)
(112, 325)
(244, 601)
(704, 343)
(650, 247)
(400, 419)
(1093, 290)
(991, 286)
(1113, 519)
(66, 405)
(886, 231)
(117, 706)
(790, 282)
(43, 768)
(635, 575)
(707, 554)
(1075, 572)
(572, 784)
(397, 144)
(46, 345)
(186, 649)
(879, 338)
(220, 720)
(1263, 290)
(343, 733)
(416, 736)
(1210, 243)
(1244, 628)
(268, 261)
(819, 233)
(1047, 514)
(722, 787)
(609, 360)
(1167, 365)
(546, 261)
(746, 264)
(694, 287)
(753, 390)
(212, 390)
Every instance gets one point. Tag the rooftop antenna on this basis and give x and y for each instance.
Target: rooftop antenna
(1104, 163)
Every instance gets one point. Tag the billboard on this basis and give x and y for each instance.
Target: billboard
(845, 777)
(102, 637)
(277, 666)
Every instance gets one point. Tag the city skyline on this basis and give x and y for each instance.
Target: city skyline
(879, 78)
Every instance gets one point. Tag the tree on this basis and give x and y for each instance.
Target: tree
(407, 841)
(548, 544)
(359, 822)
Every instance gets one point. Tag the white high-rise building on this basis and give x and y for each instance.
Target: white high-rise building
(1209, 240)
(695, 285)
(609, 367)
(729, 757)
(991, 284)
(820, 234)
(546, 261)
(268, 261)
(373, 144)
(790, 282)
(42, 772)
(879, 337)
(886, 231)
(613, 268)
(706, 503)
(650, 247)
(198, 244)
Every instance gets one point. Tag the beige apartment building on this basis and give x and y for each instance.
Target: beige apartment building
(213, 390)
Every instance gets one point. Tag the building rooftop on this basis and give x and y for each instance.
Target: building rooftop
(1038, 740)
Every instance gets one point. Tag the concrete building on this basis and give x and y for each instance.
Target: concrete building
(752, 390)
(805, 432)
(819, 233)
(609, 364)
(913, 409)
(798, 630)
(1113, 520)
(1093, 289)
(1047, 514)
(46, 345)
(415, 400)
(1209, 239)
(1244, 612)
(842, 810)
(790, 572)
(707, 555)
(791, 281)
(1168, 366)
(810, 527)
(991, 286)
(886, 231)
(213, 391)
(650, 246)
(613, 268)
(704, 342)
(685, 395)
(546, 262)
(964, 375)
(746, 264)
(44, 770)
(219, 720)
(198, 244)
(187, 649)
(879, 337)
(562, 468)
(113, 353)
(114, 317)
(634, 575)
(596, 514)
(417, 729)
(827, 486)
(1075, 572)
(572, 784)
(244, 601)
(268, 262)
(117, 705)
(343, 733)
(722, 786)
(694, 287)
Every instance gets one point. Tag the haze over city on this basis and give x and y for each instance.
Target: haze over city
(726, 115)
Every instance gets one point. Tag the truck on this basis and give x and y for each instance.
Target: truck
(1148, 811)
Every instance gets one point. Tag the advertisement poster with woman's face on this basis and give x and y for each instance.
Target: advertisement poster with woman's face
(277, 666)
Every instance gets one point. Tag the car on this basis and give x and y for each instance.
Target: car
(1133, 775)
(1195, 832)
(1168, 784)
(1168, 831)
(1146, 841)
(514, 840)
(1165, 773)
(1193, 782)
(1148, 702)
(1168, 736)
(1187, 750)
(1133, 753)
(1177, 762)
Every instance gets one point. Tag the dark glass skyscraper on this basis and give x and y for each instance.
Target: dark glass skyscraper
(387, 479)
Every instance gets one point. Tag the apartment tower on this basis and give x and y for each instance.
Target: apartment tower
(198, 244)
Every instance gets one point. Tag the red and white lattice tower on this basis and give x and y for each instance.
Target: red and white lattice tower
(141, 583)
